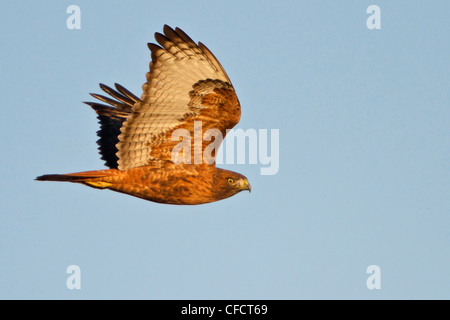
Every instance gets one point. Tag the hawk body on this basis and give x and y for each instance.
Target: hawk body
(185, 85)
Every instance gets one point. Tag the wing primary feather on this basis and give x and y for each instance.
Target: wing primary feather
(171, 45)
(213, 60)
(154, 48)
(161, 39)
(184, 36)
(173, 36)
(109, 101)
(190, 43)
(126, 93)
(117, 95)
(108, 111)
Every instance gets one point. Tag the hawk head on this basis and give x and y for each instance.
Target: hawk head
(228, 183)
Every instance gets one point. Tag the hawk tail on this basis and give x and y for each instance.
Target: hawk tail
(98, 179)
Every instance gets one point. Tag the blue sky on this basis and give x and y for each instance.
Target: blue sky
(363, 118)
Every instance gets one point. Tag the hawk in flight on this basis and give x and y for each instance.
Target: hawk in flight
(186, 86)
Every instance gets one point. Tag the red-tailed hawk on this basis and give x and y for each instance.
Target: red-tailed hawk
(186, 86)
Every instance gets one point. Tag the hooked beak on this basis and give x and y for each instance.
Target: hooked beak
(245, 185)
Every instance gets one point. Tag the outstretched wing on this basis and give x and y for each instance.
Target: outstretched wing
(186, 87)
(111, 118)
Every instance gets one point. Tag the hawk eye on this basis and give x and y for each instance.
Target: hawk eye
(230, 180)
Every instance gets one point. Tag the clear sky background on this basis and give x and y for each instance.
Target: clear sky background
(364, 173)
